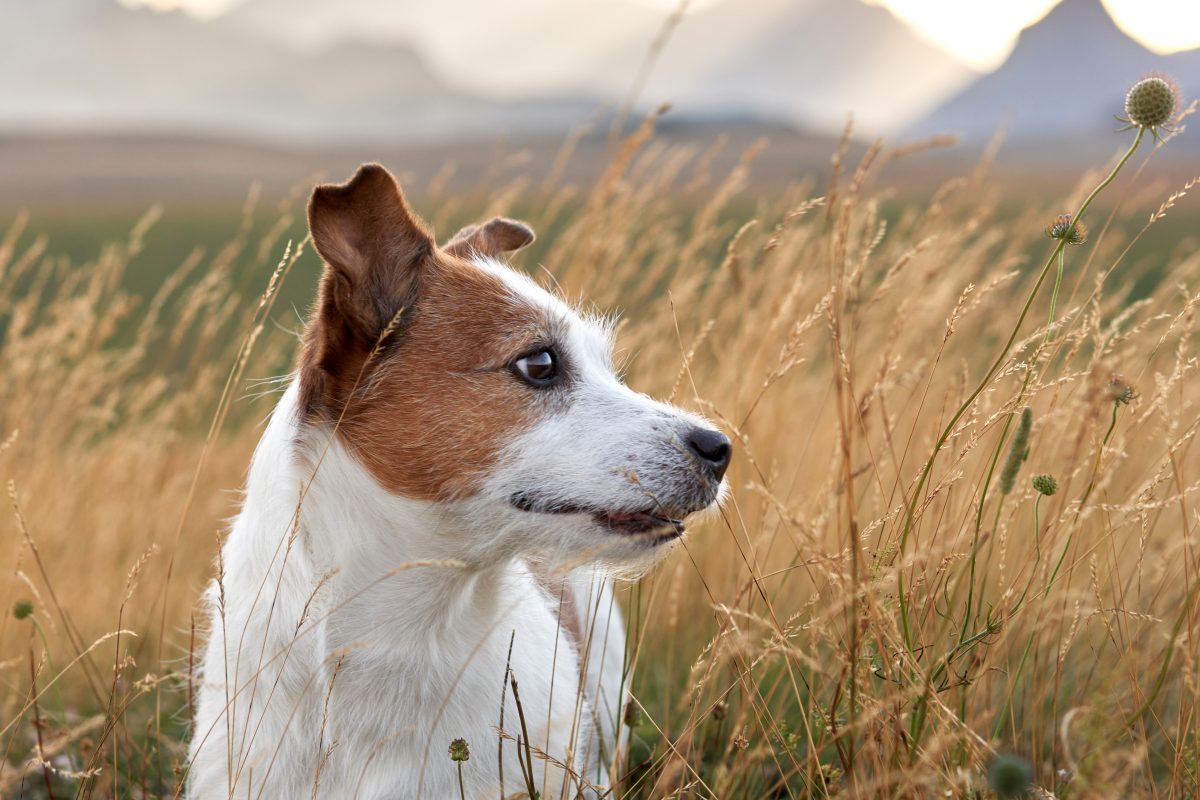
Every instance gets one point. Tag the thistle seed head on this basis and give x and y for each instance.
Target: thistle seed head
(1064, 229)
(1045, 484)
(1010, 776)
(1152, 103)
(459, 750)
(1119, 391)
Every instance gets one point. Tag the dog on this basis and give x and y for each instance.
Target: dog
(431, 526)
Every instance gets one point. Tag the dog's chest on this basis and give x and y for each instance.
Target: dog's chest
(395, 707)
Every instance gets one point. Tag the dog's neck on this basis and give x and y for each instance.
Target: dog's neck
(396, 619)
(417, 566)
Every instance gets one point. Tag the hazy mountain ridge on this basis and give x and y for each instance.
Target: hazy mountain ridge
(398, 70)
(802, 62)
(111, 67)
(92, 64)
(1067, 75)
(539, 48)
(809, 63)
(297, 70)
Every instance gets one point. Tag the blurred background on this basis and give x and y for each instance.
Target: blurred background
(155, 158)
(109, 104)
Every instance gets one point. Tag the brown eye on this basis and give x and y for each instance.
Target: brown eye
(538, 369)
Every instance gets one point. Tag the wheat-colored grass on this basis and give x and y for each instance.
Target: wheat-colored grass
(834, 332)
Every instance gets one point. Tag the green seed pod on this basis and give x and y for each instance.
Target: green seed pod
(1152, 101)
(1018, 451)
(1010, 777)
(23, 609)
(1045, 484)
(459, 750)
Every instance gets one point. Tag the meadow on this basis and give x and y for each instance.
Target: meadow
(960, 554)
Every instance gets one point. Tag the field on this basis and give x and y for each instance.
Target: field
(889, 605)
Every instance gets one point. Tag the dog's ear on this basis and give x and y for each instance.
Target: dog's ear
(497, 235)
(374, 248)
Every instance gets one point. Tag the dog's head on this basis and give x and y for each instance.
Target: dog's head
(458, 381)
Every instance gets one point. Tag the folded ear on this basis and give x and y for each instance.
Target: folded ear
(497, 235)
(373, 247)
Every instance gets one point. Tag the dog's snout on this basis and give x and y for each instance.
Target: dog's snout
(712, 448)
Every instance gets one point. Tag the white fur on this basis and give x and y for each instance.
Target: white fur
(414, 604)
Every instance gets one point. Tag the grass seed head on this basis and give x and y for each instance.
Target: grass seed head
(1017, 452)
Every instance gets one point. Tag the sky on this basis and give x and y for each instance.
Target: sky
(980, 33)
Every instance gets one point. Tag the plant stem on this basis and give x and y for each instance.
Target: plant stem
(1184, 612)
(916, 497)
(1054, 295)
(983, 494)
(1037, 543)
(1112, 424)
(49, 661)
(1000, 444)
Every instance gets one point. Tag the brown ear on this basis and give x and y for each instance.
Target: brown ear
(373, 247)
(497, 235)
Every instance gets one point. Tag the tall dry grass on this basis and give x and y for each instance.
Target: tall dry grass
(845, 628)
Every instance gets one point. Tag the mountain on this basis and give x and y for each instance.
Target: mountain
(315, 24)
(1067, 75)
(803, 62)
(799, 62)
(526, 48)
(93, 64)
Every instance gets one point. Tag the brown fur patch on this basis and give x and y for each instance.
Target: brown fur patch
(375, 250)
(428, 411)
(441, 403)
(497, 235)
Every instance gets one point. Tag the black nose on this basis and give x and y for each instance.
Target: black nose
(712, 448)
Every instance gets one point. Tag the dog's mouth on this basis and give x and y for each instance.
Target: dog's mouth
(665, 524)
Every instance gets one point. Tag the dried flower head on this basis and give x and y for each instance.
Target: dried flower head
(1067, 231)
(1119, 391)
(459, 750)
(23, 609)
(830, 776)
(1010, 776)
(633, 716)
(1045, 484)
(1152, 103)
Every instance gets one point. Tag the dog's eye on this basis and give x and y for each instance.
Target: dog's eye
(538, 369)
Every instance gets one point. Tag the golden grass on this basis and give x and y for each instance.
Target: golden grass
(803, 644)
